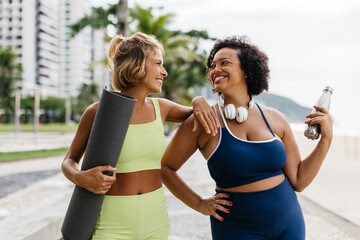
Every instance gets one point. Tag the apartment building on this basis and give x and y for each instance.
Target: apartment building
(52, 61)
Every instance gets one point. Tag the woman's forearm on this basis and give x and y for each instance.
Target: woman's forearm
(310, 166)
(180, 189)
(70, 168)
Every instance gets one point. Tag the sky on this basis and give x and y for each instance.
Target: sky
(310, 44)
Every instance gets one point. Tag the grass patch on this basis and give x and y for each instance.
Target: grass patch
(13, 156)
(29, 127)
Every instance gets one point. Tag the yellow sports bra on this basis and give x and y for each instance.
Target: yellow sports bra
(144, 145)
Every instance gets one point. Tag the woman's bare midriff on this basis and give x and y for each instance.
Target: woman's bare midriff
(136, 183)
(261, 185)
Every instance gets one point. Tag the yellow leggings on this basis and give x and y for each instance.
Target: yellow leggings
(133, 217)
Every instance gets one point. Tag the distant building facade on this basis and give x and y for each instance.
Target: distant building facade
(52, 61)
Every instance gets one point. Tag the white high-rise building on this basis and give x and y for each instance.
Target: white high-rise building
(52, 60)
(101, 76)
(20, 37)
(77, 51)
(47, 46)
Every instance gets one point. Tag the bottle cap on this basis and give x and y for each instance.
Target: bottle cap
(328, 88)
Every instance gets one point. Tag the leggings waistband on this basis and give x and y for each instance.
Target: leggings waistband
(262, 203)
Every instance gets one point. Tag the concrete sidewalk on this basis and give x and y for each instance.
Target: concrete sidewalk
(37, 211)
(27, 141)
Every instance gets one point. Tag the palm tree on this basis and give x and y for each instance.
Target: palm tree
(122, 14)
(183, 60)
(101, 17)
(10, 72)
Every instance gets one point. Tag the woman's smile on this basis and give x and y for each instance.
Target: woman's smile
(218, 78)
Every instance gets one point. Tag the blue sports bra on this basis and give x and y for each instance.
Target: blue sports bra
(236, 162)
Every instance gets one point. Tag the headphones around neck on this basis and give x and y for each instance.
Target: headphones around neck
(240, 113)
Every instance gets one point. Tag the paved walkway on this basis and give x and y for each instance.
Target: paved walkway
(36, 211)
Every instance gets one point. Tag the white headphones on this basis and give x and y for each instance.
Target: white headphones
(241, 113)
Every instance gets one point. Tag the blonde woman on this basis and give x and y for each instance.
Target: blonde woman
(134, 206)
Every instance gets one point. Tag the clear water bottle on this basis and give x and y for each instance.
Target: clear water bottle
(313, 131)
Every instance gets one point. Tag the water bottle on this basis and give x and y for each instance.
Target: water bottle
(313, 131)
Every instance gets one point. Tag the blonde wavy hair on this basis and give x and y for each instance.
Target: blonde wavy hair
(127, 57)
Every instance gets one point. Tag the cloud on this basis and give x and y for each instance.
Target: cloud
(310, 43)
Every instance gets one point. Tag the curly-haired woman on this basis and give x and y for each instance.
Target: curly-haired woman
(254, 158)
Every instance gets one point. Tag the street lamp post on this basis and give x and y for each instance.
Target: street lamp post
(17, 111)
(36, 110)
(68, 110)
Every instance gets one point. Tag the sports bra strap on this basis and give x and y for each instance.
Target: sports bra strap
(217, 115)
(267, 123)
(222, 116)
(157, 111)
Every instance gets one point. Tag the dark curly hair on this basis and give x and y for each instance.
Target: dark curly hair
(253, 62)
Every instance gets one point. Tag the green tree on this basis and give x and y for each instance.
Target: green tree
(10, 72)
(54, 110)
(88, 95)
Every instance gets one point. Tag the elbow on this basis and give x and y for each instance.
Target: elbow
(166, 173)
(298, 189)
(63, 168)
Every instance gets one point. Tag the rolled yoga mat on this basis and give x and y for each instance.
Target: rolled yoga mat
(103, 148)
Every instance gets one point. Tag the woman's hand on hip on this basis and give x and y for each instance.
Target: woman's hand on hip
(94, 180)
(210, 205)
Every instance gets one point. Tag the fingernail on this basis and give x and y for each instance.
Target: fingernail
(227, 210)
(221, 219)
(226, 195)
(230, 203)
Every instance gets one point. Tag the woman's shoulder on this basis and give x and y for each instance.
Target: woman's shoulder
(90, 111)
(165, 104)
(270, 112)
(276, 119)
(161, 100)
(92, 108)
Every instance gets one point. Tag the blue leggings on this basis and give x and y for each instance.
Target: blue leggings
(273, 214)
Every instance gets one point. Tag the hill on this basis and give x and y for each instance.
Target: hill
(293, 112)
